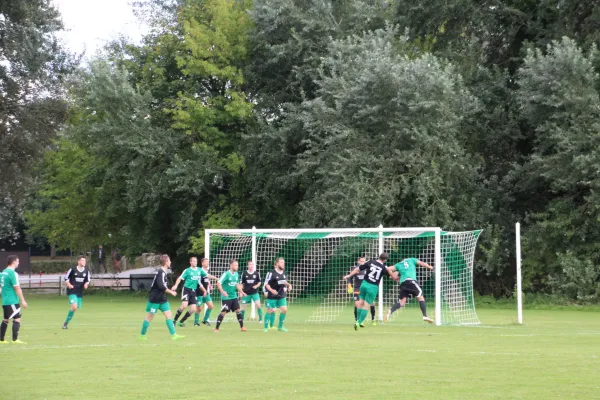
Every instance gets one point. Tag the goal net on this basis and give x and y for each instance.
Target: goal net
(317, 259)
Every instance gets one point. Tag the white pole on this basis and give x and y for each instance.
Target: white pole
(253, 306)
(206, 254)
(381, 250)
(519, 293)
(438, 277)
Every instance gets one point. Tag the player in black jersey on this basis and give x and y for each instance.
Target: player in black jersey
(158, 300)
(354, 287)
(77, 280)
(204, 298)
(277, 288)
(251, 282)
(375, 270)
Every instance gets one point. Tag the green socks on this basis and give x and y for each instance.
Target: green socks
(171, 326)
(281, 319)
(362, 315)
(272, 321)
(207, 314)
(145, 326)
(196, 318)
(260, 314)
(70, 316)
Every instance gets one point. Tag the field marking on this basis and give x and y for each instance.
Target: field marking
(257, 345)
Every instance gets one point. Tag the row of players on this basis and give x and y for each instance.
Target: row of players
(363, 281)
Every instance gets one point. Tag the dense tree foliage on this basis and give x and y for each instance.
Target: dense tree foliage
(330, 113)
(33, 67)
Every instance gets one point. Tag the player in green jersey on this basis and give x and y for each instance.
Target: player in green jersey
(230, 287)
(191, 277)
(12, 300)
(409, 286)
(157, 300)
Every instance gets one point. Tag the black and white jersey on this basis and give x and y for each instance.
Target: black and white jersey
(374, 271)
(249, 280)
(357, 280)
(204, 281)
(277, 281)
(159, 285)
(78, 279)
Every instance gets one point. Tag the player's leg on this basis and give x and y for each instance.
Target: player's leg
(245, 301)
(166, 309)
(3, 326)
(423, 307)
(191, 300)
(225, 308)
(282, 314)
(183, 306)
(356, 305)
(73, 305)
(373, 315)
(235, 305)
(198, 310)
(258, 308)
(271, 305)
(209, 308)
(151, 310)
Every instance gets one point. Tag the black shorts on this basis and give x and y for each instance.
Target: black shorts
(230, 305)
(188, 295)
(410, 288)
(12, 311)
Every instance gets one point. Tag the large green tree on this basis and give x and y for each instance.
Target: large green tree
(33, 66)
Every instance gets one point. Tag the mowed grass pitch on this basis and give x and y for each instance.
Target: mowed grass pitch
(555, 355)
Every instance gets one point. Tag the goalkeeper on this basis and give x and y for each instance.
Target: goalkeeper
(409, 286)
(354, 288)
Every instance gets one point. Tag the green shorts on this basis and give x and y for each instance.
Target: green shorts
(368, 292)
(73, 298)
(250, 298)
(203, 300)
(274, 303)
(153, 308)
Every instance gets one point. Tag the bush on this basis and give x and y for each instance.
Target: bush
(50, 267)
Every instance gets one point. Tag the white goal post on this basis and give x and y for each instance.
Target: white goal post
(317, 259)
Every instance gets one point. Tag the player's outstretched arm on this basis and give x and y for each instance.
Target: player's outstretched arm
(212, 277)
(351, 274)
(240, 289)
(424, 265)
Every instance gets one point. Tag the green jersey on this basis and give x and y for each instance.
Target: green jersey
(407, 269)
(229, 281)
(8, 280)
(192, 277)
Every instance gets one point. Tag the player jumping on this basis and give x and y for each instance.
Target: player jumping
(407, 269)
(375, 270)
(354, 287)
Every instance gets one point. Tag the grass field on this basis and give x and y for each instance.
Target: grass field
(555, 355)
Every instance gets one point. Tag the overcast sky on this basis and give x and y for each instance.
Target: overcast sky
(91, 23)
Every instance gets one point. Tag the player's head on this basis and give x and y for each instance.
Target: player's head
(99, 246)
(165, 261)
(251, 267)
(234, 265)
(361, 260)
(204, 263)
(193, 262)
(81, 261)
(12, 261)
(280, 263)
(383, 257)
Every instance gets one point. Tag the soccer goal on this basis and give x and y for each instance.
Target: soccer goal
(317, 259)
